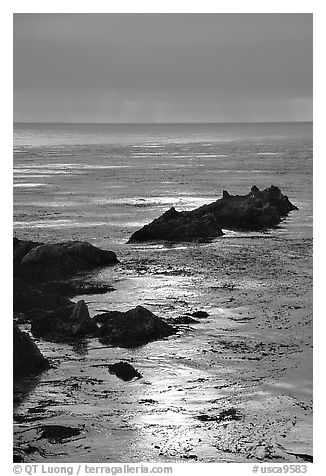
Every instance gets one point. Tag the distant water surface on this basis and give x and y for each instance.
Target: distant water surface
(113, 178)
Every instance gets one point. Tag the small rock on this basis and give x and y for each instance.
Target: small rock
(229, 414)
(124, 371)
(200, 314)
(135, 327)
(58, 433)
(64, 323)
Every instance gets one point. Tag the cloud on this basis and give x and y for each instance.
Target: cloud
(152, 67)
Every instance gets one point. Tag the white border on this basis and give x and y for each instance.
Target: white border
(167, 6)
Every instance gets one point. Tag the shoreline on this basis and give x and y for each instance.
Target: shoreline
(219, 358)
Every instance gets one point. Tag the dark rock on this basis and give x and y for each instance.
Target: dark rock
(133, 328)
(20, 249)
(148, 401)
(200, 314)
(65, 323)
(27, 358)
(107, 316)
(255, 211)
(52, 261)
(20, 318)
(229, 414)
(26, 297)
(179, 226)
(18, 457)
(190, 456)
(58, 433)
(124, 371)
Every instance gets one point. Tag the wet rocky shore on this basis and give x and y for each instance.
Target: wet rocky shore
(199, 352)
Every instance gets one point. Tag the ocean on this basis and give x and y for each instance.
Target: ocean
(109, 180)
(252, 355)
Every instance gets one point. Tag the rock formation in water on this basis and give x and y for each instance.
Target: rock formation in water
(40, 262)
(180, 226)
(43, 298)
(65, 323)
(135, 327)
(27, 296)
(124, 371)
(27, 358)
(255, 211)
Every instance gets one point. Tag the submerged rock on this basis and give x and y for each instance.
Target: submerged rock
(124, 371)
(27, 358)
(58, 433)
(52, 261)
(255, 211)
(133, 328)
(65, 323)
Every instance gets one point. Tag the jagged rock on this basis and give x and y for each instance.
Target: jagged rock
(133, 328)
(65, 323)
(124, 371)
(52, 261)
(27, 358)
(26, 297)
(255, 211)
(179, 226)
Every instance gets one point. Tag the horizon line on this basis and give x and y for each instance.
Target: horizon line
(160, 123)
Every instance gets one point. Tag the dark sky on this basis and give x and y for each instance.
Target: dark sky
(163, 67)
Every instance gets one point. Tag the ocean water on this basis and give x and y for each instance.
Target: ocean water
(113, 179)
(252, 355)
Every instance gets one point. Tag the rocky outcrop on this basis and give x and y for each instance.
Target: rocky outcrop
(27, 358)
(52, 261)
(27, 297)
(66, 323)
(135, 327)
(124, 371)
(255, 211)
(41, 295)
(180, 226)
